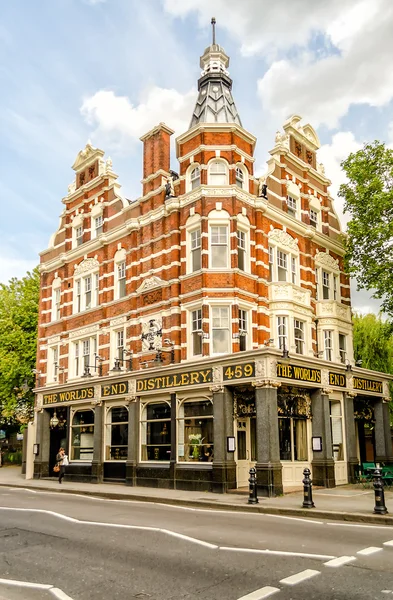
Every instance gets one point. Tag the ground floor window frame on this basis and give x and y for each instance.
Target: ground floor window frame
(155, 424)
(116, 452)
(195, 430)
(294, 425)
(81, 443)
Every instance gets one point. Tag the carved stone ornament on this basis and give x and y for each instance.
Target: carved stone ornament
(260, 369)
(325, 260)
(150, 284)
(283, 238)
(96, 402)
(89, 264)
(151, 335)
(72, 188)
(216, 388)
(85, 331)
(117, 321)
(132, 388)
(217, 375)
(321, 168)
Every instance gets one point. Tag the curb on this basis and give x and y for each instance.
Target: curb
(312, 513)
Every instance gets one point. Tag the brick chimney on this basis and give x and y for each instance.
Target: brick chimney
(156, 156)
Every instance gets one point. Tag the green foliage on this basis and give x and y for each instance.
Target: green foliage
(12, 458)
(368, 197)
(373, 344)
(18, 342)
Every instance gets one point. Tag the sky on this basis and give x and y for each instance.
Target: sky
(110, 70)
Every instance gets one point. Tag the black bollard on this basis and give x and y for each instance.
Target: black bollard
(253, 491)
(379, 508)
(307, 489)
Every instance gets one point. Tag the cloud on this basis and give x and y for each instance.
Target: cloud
(331, 155)
(117, 120)
(261, 26)
(323, 90)
(12, 266)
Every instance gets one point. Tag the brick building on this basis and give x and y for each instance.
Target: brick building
(206, 326)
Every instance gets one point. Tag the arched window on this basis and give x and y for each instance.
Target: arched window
(218, 173)
(195, 178)
(239, 177)
(195, 431)
(116, 433)
(120, 274)
(82, 435)
(156, 432)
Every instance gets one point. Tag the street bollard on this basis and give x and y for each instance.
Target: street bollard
(253, 497)
(307, 489)
(379, 508)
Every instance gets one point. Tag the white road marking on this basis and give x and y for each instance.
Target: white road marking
(165, 531)
(339, 561)
(221, 511)
(277, 552)
(56, 592)
(368, 551)
(342, 495)
(386, 592)
(260, 594)
(389, 543)
(59, 594)
(299, 577)
(26, 584)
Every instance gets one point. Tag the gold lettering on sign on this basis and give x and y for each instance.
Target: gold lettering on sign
(177, 380)
(299, 373)
(337, 379)
(367, 385)
(69, 396)
(114, 389)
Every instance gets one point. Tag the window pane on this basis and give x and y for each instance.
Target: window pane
(300, 439)
(195, 431)
(284, 431)
(219, 257)
(156, 432)
(220, 341)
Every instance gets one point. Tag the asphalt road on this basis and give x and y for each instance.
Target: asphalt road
(85, 548)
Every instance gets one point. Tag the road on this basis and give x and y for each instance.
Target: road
(83, 548)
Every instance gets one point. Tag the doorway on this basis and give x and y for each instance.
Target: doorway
(57, 436)
(245, 449)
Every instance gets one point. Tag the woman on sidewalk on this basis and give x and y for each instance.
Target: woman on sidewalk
(61, 459)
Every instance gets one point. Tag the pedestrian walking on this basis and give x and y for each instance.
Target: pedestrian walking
(61, 461)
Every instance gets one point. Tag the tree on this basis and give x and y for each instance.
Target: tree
(368, 196)
(373, 345)
(18, 344)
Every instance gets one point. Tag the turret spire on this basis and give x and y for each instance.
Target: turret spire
(215, 103)
(213, 21)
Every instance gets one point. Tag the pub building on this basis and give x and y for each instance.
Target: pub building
(205, 327)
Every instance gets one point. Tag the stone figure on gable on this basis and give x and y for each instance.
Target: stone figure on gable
(262, 187)
(169, 188)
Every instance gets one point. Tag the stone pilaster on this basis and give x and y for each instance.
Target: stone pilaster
(350, 437)
(172, 463)
(133, 441)
(97, 463)
(41, 461)
(388, 433)
(322, 462)
(224, 466)
(269, 468)
(381, 429)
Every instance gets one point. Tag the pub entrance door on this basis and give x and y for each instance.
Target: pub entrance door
(245, 449)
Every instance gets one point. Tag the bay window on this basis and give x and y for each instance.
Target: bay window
(116, 433)
(156, 432)
(195, 178)
(84, 356)
(243, 330)
(282, 333)
(195, 241)
(342, 345)
(196, 332)
(195, 442)
(218, 173)
(328, 344)
(220, 329)
(282, 265)
(219, 246)
(299, 336)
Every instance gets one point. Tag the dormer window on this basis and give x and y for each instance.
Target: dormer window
(195, 178)
(79, 235)
(98, 225)
(292, 206)
(218, 173)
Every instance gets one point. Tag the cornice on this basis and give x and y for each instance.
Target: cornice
(215, 128)
(211, 148)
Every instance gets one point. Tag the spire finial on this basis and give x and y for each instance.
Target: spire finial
(213, 22)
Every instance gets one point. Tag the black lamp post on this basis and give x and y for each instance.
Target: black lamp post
(97, 359)
(121, 360)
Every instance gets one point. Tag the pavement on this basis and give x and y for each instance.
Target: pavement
(344, 503)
